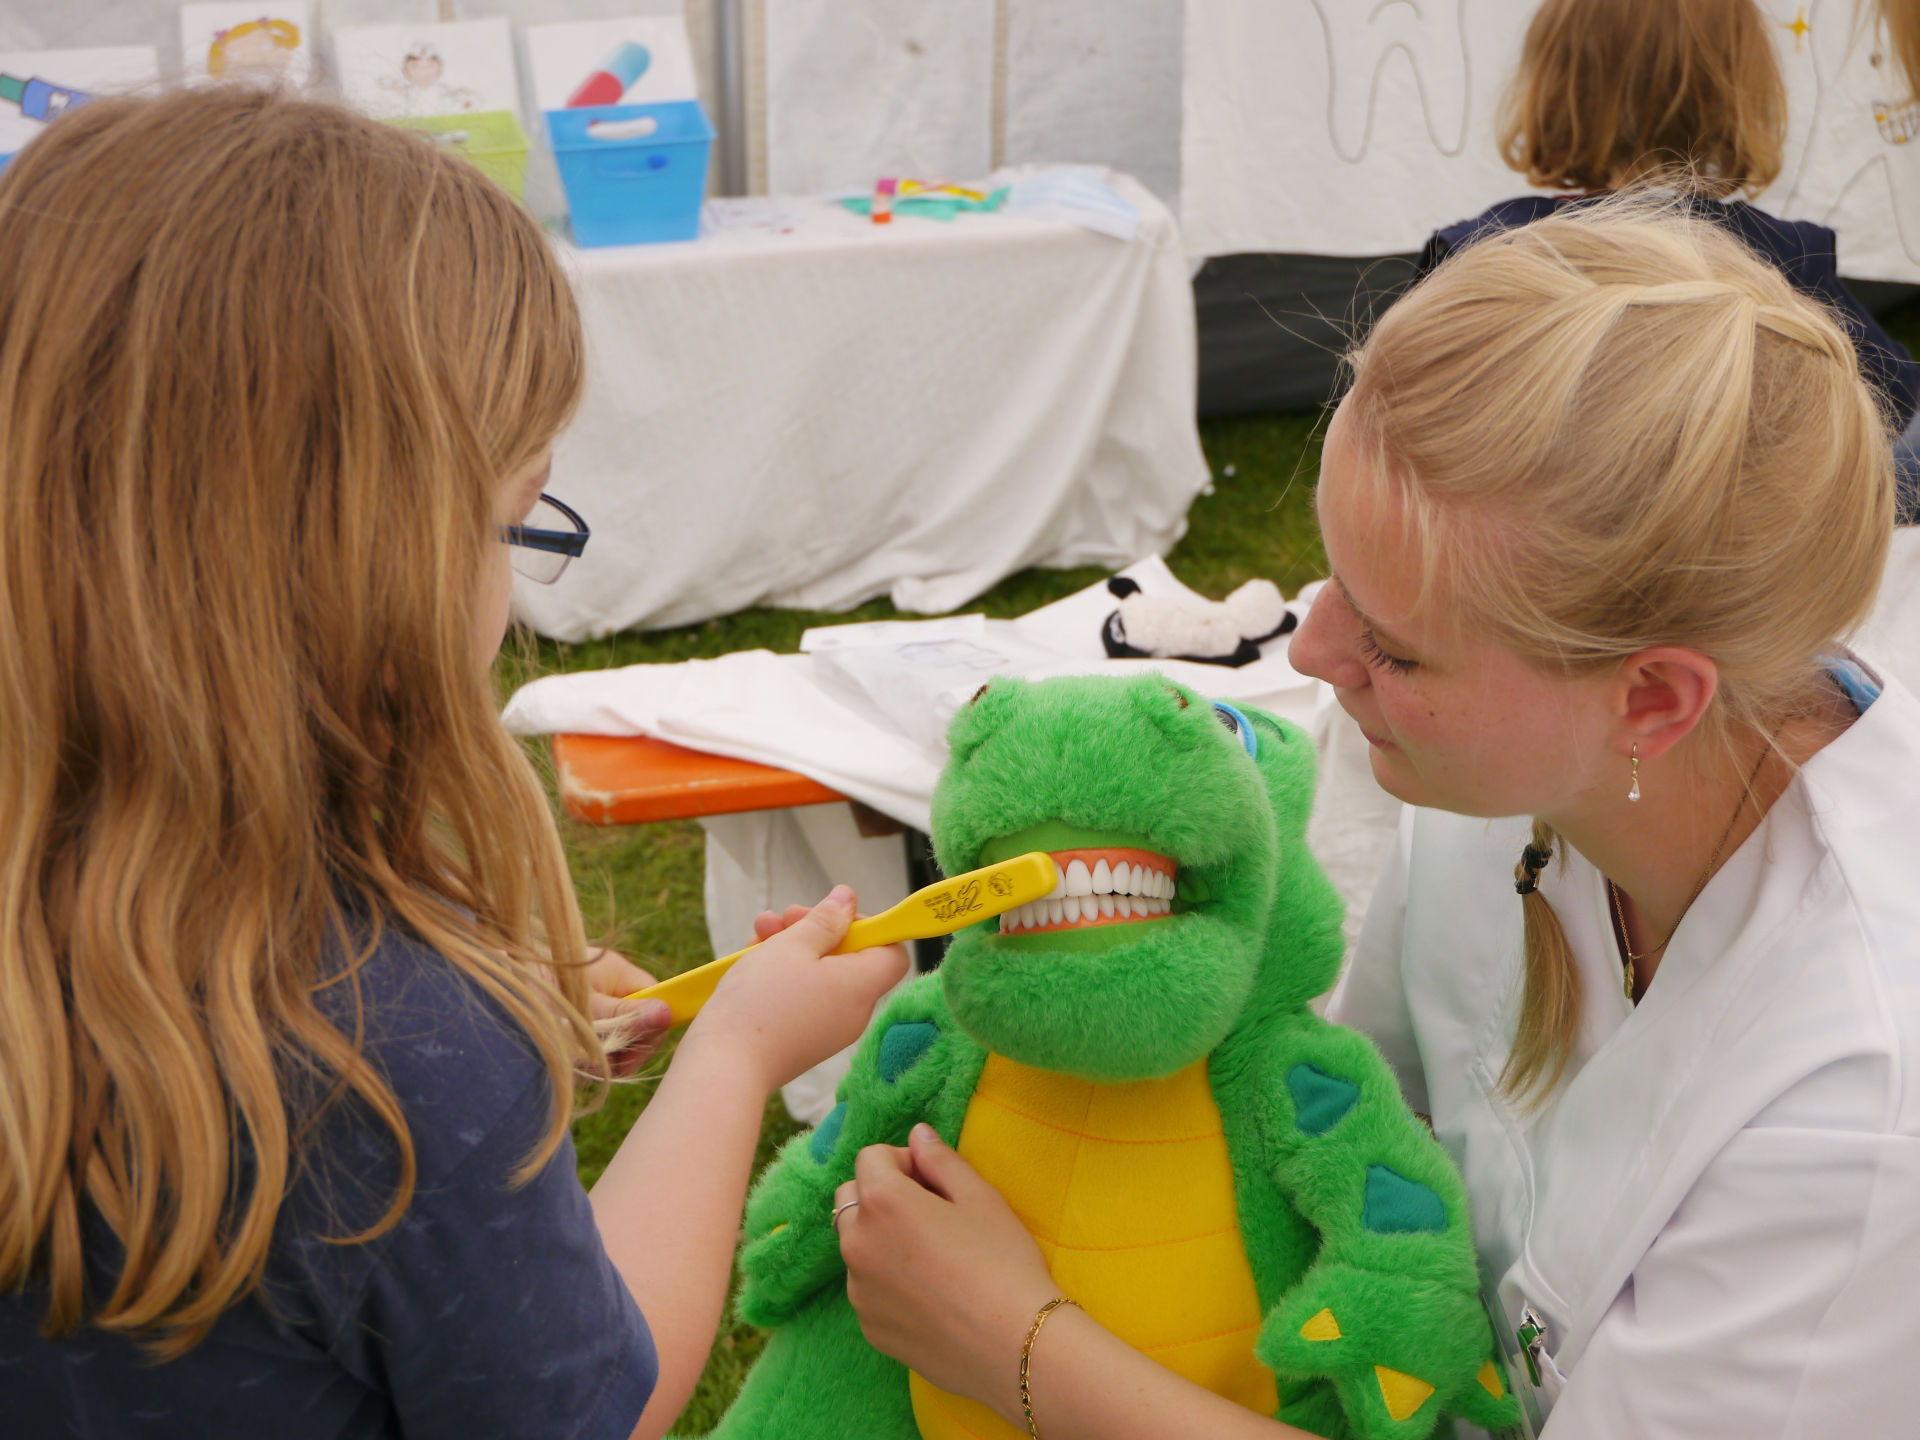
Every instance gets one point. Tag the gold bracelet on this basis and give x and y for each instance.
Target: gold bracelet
(1026, 1356)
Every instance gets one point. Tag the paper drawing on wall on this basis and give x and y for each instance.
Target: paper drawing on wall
(266, 43)
(1858, 166)
(1362, 39)
(421, 88)
(641, 61)
(400, 71)
(37, 87)
(264, 46)
(39, 99)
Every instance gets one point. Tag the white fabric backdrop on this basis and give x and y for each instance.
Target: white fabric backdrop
(856, 90)
(815, 418)
(1332, 127)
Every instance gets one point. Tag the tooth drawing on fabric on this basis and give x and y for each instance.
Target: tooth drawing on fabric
(1363, 36)
(1855, 172)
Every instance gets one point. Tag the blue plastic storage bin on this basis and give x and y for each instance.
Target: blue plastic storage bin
(632, 189)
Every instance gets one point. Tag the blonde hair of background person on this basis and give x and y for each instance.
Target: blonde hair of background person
(272, 376)
(1619, 484)
(1614, 93)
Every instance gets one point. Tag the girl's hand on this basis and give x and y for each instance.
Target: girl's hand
(630, 1029)
(789, 1003)
(941, 1272)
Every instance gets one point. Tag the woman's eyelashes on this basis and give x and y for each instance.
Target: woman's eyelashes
(1380, 659)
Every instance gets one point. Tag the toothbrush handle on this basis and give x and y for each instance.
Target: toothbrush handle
(686, 992)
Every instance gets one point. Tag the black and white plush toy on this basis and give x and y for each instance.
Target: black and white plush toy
(1213, 632)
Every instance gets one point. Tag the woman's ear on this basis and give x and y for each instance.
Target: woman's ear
(1660, 695)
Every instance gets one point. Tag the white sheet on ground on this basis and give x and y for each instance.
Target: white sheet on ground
(814, 413)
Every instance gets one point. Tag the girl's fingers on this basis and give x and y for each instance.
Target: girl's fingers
(611, 973)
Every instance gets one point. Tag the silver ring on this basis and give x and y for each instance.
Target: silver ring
(840, 1210)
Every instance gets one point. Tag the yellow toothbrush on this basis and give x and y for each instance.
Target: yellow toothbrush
(940, 909)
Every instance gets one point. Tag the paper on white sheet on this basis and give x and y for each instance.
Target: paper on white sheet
(406, 70)
(268, 42)
(1333, 128)
(559, 57)
(54, 81)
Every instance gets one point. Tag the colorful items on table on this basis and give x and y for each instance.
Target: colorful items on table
(627, 130)
(1215, 1174)
(929, 199)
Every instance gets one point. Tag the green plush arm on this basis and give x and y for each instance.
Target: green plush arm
(914, 1064)
(1390, 1310)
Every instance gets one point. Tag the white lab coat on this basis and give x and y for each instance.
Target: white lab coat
(1718, 1217)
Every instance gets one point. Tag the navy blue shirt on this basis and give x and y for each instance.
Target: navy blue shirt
(1799, 249)
(488, 1310)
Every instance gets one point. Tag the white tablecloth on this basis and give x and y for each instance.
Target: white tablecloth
(811, 410)
(1333, 127)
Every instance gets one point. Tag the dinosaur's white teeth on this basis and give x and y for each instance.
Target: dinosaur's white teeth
(1096, 886)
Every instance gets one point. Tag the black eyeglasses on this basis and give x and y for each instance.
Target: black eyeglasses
(543, 543)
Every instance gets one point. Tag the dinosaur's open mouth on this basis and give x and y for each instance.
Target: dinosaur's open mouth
(1106, 885)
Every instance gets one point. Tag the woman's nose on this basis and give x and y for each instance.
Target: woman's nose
(1325, 648)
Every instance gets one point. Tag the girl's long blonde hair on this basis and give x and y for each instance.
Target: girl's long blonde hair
(263, 368)
(1617, 428)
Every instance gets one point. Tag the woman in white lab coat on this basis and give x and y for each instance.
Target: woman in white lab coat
(1603, 502)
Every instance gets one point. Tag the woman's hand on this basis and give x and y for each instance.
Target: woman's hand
(941, 1272)
(631, 1029)
(790, 1002)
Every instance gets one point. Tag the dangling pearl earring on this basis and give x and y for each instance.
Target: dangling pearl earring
(1634, 792)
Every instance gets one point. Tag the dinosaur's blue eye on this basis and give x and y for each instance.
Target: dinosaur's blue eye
(1238, 725)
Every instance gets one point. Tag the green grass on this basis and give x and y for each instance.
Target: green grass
(641, 887)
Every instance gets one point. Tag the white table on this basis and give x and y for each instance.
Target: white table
(814, 410)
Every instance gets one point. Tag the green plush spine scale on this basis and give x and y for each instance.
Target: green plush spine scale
(1353, 1221)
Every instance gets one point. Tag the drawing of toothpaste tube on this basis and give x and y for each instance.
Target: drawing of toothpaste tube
(40, 99)
(616, 75)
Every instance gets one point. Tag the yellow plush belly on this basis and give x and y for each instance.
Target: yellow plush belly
(1129, 1191)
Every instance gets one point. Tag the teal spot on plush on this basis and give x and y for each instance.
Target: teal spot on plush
(1399, 1206)
(1320, 1100)
(903, 1045)
(828, 1134)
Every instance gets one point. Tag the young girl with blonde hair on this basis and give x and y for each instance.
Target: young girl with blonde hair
(1604, 501)
(293, 991)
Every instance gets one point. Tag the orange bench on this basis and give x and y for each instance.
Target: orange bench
(634, 780)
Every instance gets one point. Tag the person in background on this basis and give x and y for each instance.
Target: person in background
(1613, 94)
(294, 995)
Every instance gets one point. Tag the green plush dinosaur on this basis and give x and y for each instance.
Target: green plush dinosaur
(1220, 1177)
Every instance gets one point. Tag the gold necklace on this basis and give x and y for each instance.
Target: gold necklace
(1613, 890)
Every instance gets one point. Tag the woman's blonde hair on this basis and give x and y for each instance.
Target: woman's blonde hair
(263, 368)
(1617, 428)
(1611, 92)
